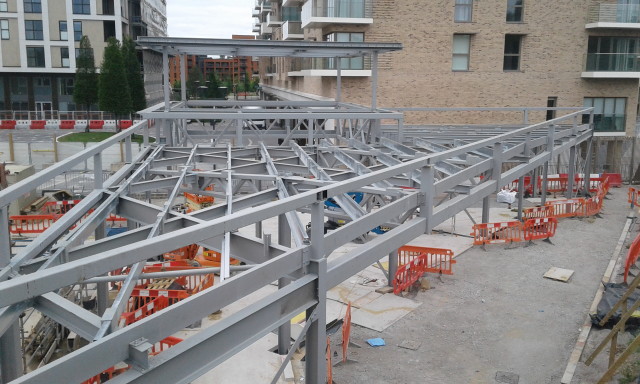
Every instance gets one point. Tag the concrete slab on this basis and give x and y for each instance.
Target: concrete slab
(383, 312)
(559, 274)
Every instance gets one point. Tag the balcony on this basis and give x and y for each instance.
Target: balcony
(625, 16)
(256, 27)
(265, 29)
(319, 13)
(349, 67)
(292, 30)
(612, 66)
(272, 20)
(255, 13)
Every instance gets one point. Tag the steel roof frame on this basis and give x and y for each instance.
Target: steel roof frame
(30, 279)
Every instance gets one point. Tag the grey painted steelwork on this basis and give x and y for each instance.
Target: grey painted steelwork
(380, 168)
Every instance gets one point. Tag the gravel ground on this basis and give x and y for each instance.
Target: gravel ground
(497, 313)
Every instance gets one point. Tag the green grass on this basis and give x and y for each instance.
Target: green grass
(91, 137)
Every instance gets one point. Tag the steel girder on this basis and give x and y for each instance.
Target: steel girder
(31, 283)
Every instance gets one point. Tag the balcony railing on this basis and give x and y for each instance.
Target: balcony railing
(613, 62)
(324, 63)
(614, 13)
(292, 30)
(336, 9)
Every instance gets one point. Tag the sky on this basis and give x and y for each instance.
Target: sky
(209, 18)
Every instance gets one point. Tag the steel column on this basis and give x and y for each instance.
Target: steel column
(183, 77)
(284, 331)
(427, 189)
(315, 363)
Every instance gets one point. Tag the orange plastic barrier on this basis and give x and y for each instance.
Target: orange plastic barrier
(536, 212)
(490, 233)
(544, 228)
(174, 289)
(513, 186)
(437, 260)
(30, 223)
(632, 256)
(136, 314)
(124, 124)
(615, 179)
(67, 124)
(37, 124)
(164, 344)
(565, 208)
(634, 197)
(8, 124)
(554, 184)
(417, 262)
(592, 206)
(346, 333)
(407, 274)
(96, 124)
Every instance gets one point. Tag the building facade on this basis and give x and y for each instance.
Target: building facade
(39, 42)
(232, 68)
(468, 53)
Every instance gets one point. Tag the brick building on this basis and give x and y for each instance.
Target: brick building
(466, 53)
(231, 67)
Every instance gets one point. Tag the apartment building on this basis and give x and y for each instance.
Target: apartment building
(39, 42)
(468, 53)
(233, 68)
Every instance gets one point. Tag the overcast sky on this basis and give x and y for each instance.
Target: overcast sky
(209, 18)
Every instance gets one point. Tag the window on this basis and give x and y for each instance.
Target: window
(109, 28)
(461, 47)
(32, 6)
(3, 6)
(291, 13)
(64, 57)
(552, 102)
(33, 29)
(64, 32)
(512, 47)
(514, 10)
(346, 63)
(65, 86)
(77, 30)
(463, 10)
(18, 86)
(81, 7)
(4, 29)
(608, 113)
(613, 53)
(35, 57)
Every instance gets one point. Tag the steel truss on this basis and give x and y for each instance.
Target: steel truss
(408, 187)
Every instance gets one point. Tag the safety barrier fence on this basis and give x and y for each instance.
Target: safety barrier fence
(560, 183)
(634, 196)
(540, 229)
(632, 256)
(329, 365)
(136, 314)
(346, 333)
(68, 124)
(413, 262)
(492, 233)
(514, 231)
(24, 224)
(578, 207)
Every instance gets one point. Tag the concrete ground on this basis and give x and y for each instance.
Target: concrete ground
(497, 320)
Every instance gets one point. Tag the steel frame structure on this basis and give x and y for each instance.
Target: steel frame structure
(408, 188)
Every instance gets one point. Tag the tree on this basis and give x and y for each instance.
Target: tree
(213, 92)
(134, 77)
(194, 80)
(113, 94)
(85, 89)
